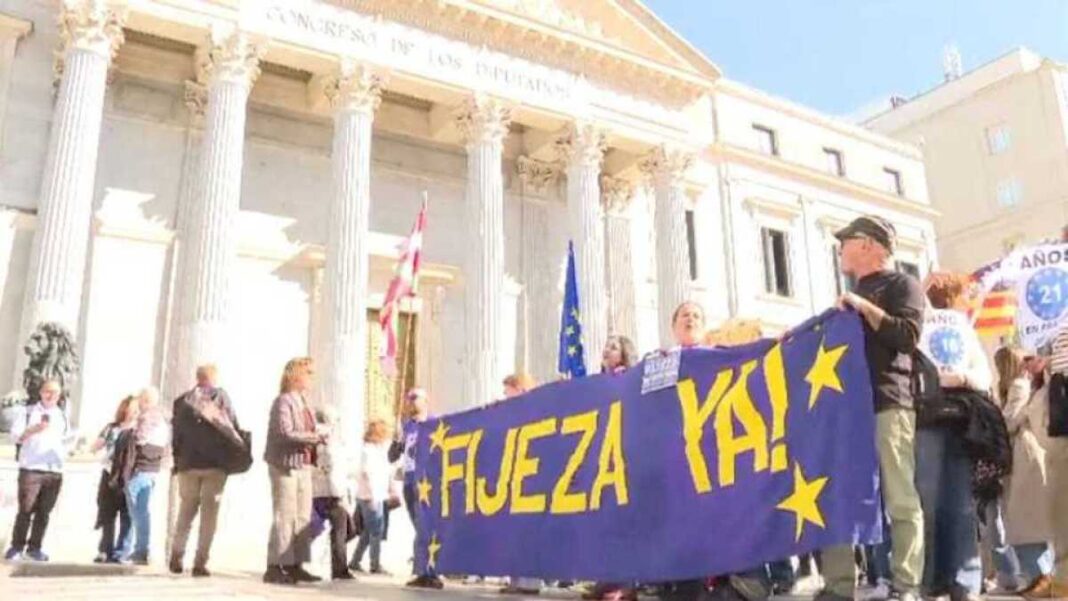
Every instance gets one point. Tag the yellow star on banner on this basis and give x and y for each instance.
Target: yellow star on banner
(432, 551)
(424, 487)
(437, 439)
(823, 374)
(804, 502)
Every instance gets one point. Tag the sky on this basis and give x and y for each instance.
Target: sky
(844, 57)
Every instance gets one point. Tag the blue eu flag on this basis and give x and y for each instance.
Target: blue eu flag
(572, 362)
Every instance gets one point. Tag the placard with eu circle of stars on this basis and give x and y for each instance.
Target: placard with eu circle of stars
(758, 453)
(1047, 293)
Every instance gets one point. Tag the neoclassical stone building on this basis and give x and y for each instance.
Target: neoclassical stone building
(223, 180)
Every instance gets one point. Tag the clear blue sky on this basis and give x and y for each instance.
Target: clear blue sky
(840, 55)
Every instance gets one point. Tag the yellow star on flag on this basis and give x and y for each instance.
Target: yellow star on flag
(437, 439)
(432, 551)
(424, 487)
(804, 502)
(571, 350)
(570, 330)
(823, 374)
(574, 314)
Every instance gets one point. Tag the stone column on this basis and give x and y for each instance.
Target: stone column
(483, 122)
(617, 195)
(228, 69)
(667, 169)
(91, 32)
(582, 147)
(355, 94)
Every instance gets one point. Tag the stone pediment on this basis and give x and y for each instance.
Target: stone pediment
(628, 25)
(619, 42)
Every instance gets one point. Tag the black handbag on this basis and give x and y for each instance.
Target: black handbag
(1058, 406)
(239, 460)
(935, 407)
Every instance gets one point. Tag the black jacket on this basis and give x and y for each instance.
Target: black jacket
(199, 443)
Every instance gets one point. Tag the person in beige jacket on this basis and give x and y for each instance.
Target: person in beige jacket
(1027, 497)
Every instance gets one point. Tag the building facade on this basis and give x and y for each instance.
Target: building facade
(995, 145)
(187, 181)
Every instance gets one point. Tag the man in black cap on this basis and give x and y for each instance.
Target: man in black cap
(891, 305)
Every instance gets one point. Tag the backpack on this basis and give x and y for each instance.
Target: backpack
(933, 406)
(1058, 406)
(987, 442)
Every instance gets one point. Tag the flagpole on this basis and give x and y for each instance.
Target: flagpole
(404, 363)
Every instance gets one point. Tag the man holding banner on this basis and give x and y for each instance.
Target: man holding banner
(892, 306)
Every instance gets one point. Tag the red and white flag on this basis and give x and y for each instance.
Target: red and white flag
(403, 285)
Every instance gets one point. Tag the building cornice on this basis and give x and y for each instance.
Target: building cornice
(819, 178)
(815, 117)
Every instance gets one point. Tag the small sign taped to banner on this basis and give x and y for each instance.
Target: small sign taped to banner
(661, 371)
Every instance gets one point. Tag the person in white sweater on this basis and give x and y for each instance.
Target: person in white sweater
(943, 467)
(42, 434)
(372, 492)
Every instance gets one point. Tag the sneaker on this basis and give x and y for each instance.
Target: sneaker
(13, 554)
(101, 558)
(472, 580)
(276, 575)
(201, 572)
(36, 555)
(427, 582)
(299, 574)
(807, 586)
(880, 592)
(896, 595)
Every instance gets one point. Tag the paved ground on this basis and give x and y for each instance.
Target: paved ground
(68, 582)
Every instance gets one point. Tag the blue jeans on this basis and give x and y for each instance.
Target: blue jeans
(1005, 560)
(944, 481)
(374, 515)
(878, 557)
(1036, 559)
(138, 499)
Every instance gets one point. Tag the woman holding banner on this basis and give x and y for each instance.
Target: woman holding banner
(516, 385)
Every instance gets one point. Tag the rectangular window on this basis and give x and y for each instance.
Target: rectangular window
(909, 268)
(766, 140)
(998, 138)
(691, 243)
(1009, 193)
(776, 244)
(835, 162)
(893, 181)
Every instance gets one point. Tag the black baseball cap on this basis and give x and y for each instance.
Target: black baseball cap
(870, 226)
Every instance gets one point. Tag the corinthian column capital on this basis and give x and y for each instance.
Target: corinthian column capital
(667, 166)
(583, 144)
(232, 56)
(483, 119)
(355, 87)
(616, 194)
(537, 175)
(91, 25)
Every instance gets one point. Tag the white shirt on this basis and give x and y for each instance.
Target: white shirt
(375, 474)
(951, 343)
(44, 451)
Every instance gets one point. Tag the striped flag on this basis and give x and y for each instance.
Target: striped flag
(993, 309)
(403, 285)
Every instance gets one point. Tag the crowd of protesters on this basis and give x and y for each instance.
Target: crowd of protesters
(948, 492)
